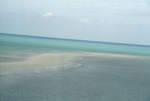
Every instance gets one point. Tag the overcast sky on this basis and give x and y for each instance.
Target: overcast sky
(121, 21)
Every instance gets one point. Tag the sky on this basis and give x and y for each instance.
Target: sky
(119, 21)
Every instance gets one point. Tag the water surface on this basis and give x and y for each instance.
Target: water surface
(49, 69)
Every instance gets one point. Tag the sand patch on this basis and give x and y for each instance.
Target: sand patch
(53, 62)
(58, 59)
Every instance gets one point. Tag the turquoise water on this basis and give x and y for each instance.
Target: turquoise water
(89, 78)
(32, 44)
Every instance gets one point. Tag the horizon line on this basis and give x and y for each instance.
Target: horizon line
(76, 40)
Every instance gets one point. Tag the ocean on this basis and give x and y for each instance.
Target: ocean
(51, 69)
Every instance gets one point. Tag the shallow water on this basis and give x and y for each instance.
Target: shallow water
(87, 78)
(105, 79)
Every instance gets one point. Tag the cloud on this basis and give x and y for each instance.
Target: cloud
(84, 21)
(102, 20)
(48, 14)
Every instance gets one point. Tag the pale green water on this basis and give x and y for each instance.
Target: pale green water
(89, 78)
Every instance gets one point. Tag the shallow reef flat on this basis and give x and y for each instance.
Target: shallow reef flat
(76, 76)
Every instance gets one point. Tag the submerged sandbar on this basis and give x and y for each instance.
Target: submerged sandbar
(56, 60)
